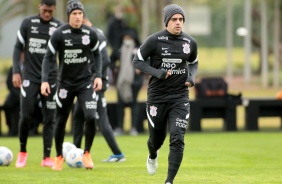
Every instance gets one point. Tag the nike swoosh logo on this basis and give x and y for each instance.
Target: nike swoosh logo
(186, 104)
(53, 85)
(164, 48)
(88, 86)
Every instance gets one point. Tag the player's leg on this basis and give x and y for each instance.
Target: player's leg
(178, 123)
(119, 130)
(28, 98)
(48, 114)
(157, 123)
(88, 103)
(64, 102)
(78, 124)
(105, 128)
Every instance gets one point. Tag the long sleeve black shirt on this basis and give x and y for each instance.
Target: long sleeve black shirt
(32, 39)
(166, 51)
(77, 50)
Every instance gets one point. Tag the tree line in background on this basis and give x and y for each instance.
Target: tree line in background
(100, 11)
(146, 17)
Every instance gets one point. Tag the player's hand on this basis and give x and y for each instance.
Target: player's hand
(45, 88)
(188, 84)
(97, 84)
(17, 80)
(168, 74)
(137, 72)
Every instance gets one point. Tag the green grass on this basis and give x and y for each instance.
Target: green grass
(212, 156)
(245, 157)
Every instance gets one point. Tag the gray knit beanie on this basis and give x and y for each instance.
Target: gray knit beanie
(48, 2)
(170, 10)
(74, 5)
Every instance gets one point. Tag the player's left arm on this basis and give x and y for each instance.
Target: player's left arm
(192, 65)
(97, 84)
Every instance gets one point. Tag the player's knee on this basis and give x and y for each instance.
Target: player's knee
(89, 117)
(26, 117)
(177, 142)
(156, 144)
(49, 121)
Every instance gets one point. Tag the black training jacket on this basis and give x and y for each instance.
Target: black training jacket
(166, 51)
(77, 50)
(32, 39)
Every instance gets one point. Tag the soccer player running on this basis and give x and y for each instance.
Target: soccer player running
(32, 39)
(77, 48)
(102, 118)
(173, 67)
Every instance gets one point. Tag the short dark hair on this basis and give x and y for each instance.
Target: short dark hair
(49, 2)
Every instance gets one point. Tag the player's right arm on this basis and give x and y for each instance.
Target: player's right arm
(48, 61)
(143, 53)
(18, 49)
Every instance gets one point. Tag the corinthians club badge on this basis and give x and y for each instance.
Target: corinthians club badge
(85, 40)
(186, 48)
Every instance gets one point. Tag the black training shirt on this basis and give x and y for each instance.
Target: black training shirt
(32, 39)
(77, 50)
(166, 51)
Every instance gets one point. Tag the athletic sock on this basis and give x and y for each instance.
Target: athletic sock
(174, 161)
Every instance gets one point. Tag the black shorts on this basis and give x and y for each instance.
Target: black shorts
(85, 95)
(176, 115)
(30, 92)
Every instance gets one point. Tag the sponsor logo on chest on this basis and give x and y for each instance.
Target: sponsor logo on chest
(68, 42)
(162, 38)
(34, 30)
(72, 56)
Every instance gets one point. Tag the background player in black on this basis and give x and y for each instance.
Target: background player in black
(102, 119)
(129, 81)
(77, 48)
(32, 39)
(115, 28)
(12, 105)
(173, 67)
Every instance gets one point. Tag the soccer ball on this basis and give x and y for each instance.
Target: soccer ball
(74, 158)
(6, 156)
(67, 146)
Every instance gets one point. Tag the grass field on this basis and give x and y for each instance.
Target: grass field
(212, 156)
(241, 158)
